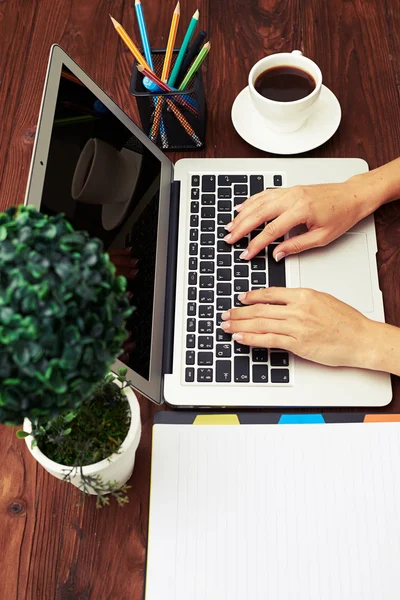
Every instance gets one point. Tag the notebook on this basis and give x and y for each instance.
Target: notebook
(246, 509)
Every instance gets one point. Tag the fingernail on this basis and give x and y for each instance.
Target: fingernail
(242, 297)
(244, 254)
(238, 337)
(239, 207)
(225, 326)
(279, 256)
(226, 316)
(228, 237)
(229, 226)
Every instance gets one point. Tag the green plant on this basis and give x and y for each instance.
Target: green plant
(62, 315)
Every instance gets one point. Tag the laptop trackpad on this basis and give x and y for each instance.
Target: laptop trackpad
(341, 269)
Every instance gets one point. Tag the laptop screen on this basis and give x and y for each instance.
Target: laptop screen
(108, 183)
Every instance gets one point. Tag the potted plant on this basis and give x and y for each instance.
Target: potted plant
(62, 324)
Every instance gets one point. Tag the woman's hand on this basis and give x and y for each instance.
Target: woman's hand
(327, 211)
(313, 325)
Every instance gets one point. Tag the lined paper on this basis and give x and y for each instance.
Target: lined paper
(275, 512)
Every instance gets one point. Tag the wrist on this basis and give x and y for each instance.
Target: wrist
(379, 348)
(369, 191)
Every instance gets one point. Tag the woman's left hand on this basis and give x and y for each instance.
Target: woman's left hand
(311, 324)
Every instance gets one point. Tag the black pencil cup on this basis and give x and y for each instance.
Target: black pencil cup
(182, 125)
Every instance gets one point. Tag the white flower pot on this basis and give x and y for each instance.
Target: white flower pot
(118, 467)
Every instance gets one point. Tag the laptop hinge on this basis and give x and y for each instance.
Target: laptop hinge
(171, 277)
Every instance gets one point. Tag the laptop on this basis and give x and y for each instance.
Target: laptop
(91, 162)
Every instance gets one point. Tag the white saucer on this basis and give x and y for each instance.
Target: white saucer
(317, 130)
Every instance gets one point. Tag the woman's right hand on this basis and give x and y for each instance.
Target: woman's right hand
(327, 211)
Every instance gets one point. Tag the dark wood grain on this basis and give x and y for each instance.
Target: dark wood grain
(50, 547)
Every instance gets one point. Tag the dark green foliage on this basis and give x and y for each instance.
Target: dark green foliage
(62, 315)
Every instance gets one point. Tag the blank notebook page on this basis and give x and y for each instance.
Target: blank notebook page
(275, 512)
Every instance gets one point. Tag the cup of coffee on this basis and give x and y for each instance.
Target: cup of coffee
(284, 88)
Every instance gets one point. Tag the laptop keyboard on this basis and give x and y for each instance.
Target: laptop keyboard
(216, 277)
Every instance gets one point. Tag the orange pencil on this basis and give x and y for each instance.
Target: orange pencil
(171, 43)
(132, 47)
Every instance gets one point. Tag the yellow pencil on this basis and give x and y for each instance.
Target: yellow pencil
(132, 47)
(171, 43)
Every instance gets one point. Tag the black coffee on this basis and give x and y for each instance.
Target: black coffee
(284, 84)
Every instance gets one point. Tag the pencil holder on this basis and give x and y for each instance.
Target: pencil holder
(173, 120)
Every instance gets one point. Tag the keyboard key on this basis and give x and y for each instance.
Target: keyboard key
(258, 264)
(193, 249)
(204, 375)
(224, 260)
(208, 183)
(241, 285)
(260, 374)
(208, 212)
(191, 309)
(236, 256)
(241, 349)
(224, 289)
(223, 246)
(256, 184)
(191, 325)
(224, 193)
(207, 267)
(224, 274)
(206, 281)
(204, 359)
(239, 200)
(192, 278)
(279, 375)
(208, 199)
(224, 350)
(237, 302)
(223, 219)
(194, 220)
(206, 296)
(221, 233)
(190, 340)
(224, 303)
(194, 235)
(207, 239)
(194, 207)
(192, 293)
(195, 180)
(207, 253)
(229, 179)
(206, 326)
(259, 278)
(254, 234)
(208, 225)
(189, 375)
(276, 271)
(241, 271)
(279, 359)
(224, 206)
(205, 342)
(241, 244)
(223, 371)
(206, 311)
(218, 319)
(242, 369)
(222, 336)
(195, 194)
(278, 180)
(190, 357)
(192, 264)
(240, 190)
(260, 355)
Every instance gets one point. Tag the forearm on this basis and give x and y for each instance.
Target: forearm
(383, 353)
(382, 185)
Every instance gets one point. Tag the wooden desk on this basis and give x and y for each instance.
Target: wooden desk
(50, 549)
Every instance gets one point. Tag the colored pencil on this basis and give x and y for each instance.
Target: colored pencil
(187, 127)
(132, 47)
(191, 54)
(195, 66)
(171, 43)
(143, 33)
(165, 88)
(186, 41)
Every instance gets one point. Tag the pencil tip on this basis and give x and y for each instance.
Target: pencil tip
(178, 8)
(140, 68)
(115, 23)
(137, 2)
(196, 14)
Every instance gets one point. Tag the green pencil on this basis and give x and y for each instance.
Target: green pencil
(181, 55)
(195, 66)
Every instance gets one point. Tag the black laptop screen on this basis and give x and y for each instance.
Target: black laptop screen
(106, 182)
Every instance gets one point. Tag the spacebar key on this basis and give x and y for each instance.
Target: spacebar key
(242, 369)
(223, 371)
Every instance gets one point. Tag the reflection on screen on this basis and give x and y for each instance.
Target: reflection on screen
(107, 183)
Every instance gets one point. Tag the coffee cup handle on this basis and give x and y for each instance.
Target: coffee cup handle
(297, 53)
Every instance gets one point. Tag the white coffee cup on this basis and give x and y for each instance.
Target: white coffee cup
(285, 117)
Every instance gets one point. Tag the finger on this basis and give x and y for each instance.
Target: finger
(265, 196)
(299, 243)
(272, 295)
(266, 311)
(120, 251)
(121, 260)
(257, 326)
(249, 218)
(266, 340)
(275, 229)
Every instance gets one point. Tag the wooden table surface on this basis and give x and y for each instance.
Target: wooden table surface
(49, 547)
